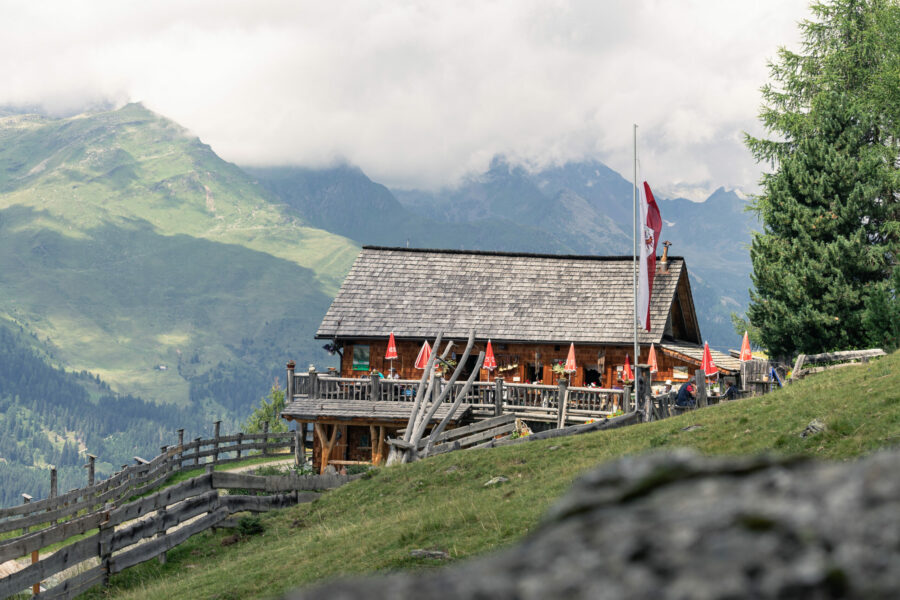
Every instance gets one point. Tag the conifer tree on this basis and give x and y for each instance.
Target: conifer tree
(829, 208)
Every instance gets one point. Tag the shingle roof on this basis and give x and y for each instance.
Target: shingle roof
(725, 362)
(310, 409)
(504, 296)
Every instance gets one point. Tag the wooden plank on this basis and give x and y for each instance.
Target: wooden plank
(20, 546)
(64, 558)
(486, 435)
(844, 355)
(263, 503)
(145, 528)
(74, 586)
(155, 547)
(166, 497)
(475, 428)
(279, 483)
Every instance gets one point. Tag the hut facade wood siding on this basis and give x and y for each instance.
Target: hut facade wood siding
(531, 306)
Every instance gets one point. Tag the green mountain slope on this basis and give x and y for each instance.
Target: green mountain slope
(371, 525)
(51, 417)
(127, 244)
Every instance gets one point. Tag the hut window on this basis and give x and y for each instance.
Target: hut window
(680, 373)
(360, 358)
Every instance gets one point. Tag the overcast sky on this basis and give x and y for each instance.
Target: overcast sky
(420, 94)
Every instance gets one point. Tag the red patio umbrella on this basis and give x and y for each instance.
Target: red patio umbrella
(627, 375)
(490, 363)
(651, 360)
(708, 365)
(746, 354)
(570, 360)
(424, 355)
(391, 353)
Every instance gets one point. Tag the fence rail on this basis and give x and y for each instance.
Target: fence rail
(149, 527)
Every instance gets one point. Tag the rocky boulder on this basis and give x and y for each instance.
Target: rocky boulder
(679, 525)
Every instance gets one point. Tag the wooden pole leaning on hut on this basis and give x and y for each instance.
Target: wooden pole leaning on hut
(436, 432)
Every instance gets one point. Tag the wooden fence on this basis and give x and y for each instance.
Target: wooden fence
(534, 402)
(145, 476)
(146, 528)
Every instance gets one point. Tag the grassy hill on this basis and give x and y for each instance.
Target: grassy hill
(126, 244)
(372, 525)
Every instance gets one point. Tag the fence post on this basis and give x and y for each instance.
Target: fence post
(626, 399)
(375, 388)
(164, 450)
(197, 452)
(104, 550)
(240, 441)
(498, 396)
(289, 388)
(313, 382)
(90, 468)
(700, 378)
(35, 588)
(561, 403)
(216, 427)
(161, 532)
(53, 486)
(299, 450)
(180, 447)
(265, 448)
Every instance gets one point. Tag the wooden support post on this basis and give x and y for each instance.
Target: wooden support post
(163, 450)
(373, 442)
(299, 449)
(161, 532)
(313, 383)
(265, 448)
(197, 452)
(700, 378)
(90, 467)
(104, 544)
(498, 396)
(180, 448)
(240, 441)
(289, 388)
(562, 403)
(54, 491)
(375, 388)
(216, 427)
(382, 437)
(626, 399)
(35, 588)
(327, 445)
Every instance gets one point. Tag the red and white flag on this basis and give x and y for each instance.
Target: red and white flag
(651, 225)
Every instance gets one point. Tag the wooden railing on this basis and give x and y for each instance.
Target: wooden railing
(529, 401)
(145, 476)
(169, 517)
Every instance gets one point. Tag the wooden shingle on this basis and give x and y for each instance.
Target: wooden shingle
(504, 296)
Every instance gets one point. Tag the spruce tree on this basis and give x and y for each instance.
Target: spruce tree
(829, 208)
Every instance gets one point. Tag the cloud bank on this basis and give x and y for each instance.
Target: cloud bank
(418, 94)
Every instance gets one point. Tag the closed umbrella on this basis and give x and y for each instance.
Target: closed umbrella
(490, 363)
(627, 375)
(424, 355)
(391, 353)
(708, 365)
(570, 360)
(651, 360)
(746, 354)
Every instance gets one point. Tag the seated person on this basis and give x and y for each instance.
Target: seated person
(685, 395)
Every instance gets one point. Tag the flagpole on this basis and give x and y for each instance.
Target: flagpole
(635, 252)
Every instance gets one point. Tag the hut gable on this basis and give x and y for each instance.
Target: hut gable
(504, 296)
